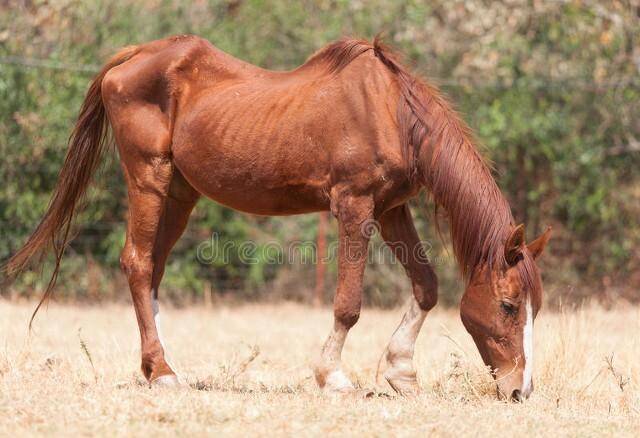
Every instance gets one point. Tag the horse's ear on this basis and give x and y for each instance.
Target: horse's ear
(514, 245)
(537, 246)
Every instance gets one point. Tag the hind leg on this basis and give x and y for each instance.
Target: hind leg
(160, 202)
(178, 206)
(140, 110)
(401, 236)
(157, 219)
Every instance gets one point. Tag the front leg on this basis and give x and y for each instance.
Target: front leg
(401, 236)
(353, 214)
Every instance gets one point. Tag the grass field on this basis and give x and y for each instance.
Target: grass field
(248, 373)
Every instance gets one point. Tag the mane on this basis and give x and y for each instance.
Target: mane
(337, 55)
(439, 149)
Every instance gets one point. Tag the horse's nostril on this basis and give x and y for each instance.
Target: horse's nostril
(516, 396)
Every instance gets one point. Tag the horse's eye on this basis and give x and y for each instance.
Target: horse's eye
(508, 308)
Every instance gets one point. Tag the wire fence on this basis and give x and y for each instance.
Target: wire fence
(48, 64)
(581, 82)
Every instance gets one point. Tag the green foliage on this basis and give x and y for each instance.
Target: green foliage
(551, 88)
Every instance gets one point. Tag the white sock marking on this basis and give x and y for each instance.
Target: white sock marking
(336, 380)
(156, 318)
(403, 340)
(330, 360)
(155, 306)
(527, 343)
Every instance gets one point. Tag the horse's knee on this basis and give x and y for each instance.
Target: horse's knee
(347, 312)
(428, 300)
(426, 290)
(132, 263)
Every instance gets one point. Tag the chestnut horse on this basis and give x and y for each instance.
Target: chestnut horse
(350, 131)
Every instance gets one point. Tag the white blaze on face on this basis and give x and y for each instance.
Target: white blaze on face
(528, 348)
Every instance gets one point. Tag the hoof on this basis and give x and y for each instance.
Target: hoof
(335, 382)
(404, 384)
(166, 381)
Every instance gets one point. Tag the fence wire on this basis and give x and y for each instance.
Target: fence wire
(584, 82)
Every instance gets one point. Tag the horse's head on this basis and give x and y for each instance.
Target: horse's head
(498, 309)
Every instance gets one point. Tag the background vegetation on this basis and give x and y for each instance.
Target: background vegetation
(552, 89)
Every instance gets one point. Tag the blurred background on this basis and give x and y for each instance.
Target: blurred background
(552, 89)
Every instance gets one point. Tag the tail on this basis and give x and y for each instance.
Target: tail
(86, 144)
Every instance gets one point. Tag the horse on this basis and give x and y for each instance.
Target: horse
(351, 131)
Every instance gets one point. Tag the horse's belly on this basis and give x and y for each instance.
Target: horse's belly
(259, 148)
(250, 196)
(254, 181)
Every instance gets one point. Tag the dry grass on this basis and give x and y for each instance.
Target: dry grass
(248, 370)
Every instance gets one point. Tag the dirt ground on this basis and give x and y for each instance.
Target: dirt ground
(248, 372)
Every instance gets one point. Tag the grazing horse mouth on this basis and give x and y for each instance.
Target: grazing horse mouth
(516, 396)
